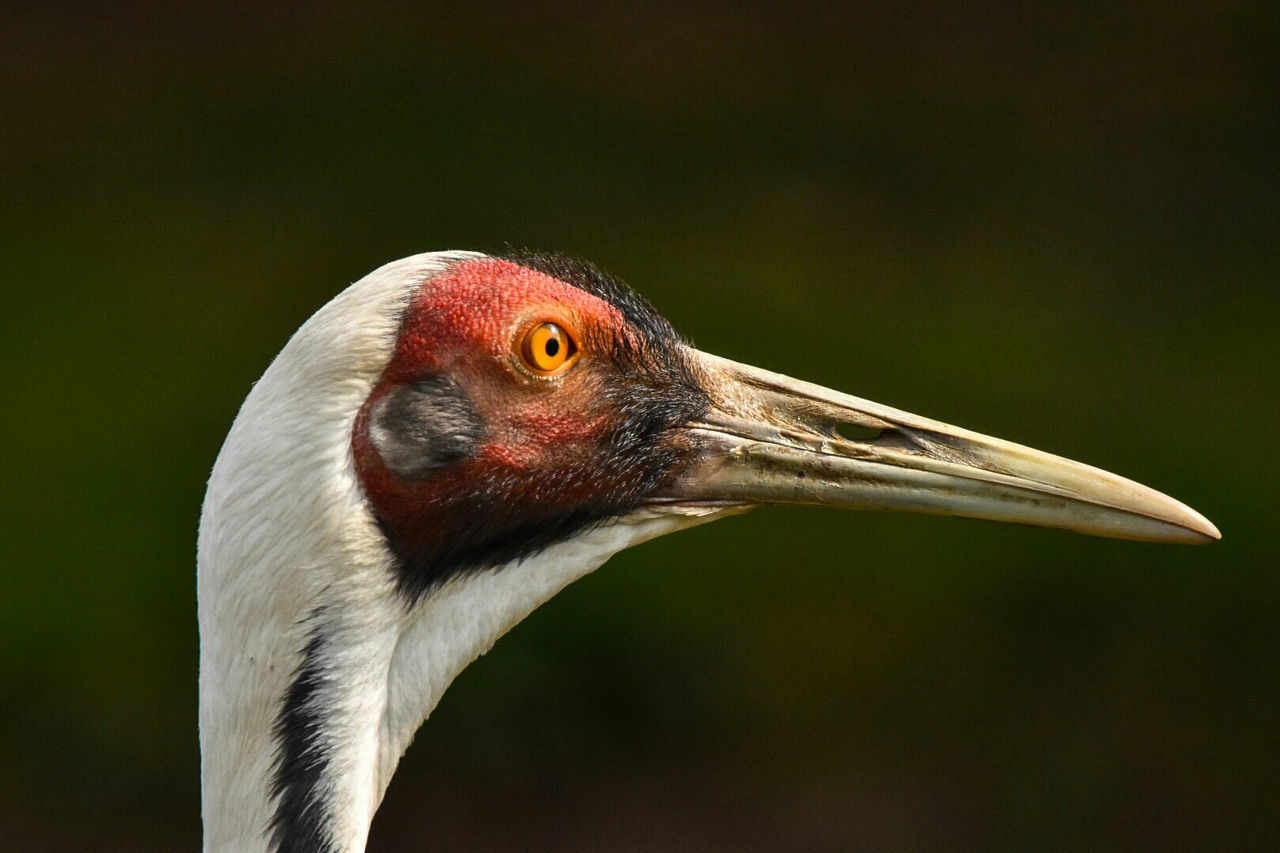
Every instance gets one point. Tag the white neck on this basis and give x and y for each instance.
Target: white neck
(308, 652)
(286, 541)
(384, 667)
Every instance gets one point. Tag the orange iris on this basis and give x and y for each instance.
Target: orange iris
(547, 348)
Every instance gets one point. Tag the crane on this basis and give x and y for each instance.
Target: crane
(455, 438)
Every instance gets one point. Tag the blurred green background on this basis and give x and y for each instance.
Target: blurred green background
(1056, 225)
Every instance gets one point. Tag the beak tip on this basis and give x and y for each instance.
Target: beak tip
(1192, 528)
(1204, 529)
(1208, 530)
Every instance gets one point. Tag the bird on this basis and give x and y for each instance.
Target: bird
(457, 436)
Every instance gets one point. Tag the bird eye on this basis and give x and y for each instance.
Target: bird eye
(547, 348)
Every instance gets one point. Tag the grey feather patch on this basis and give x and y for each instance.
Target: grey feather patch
(424, 426)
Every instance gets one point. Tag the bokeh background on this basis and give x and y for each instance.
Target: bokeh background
(1058, 225)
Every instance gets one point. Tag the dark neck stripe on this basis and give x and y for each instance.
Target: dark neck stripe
(302, 817)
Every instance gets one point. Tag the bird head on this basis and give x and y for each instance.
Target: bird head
(522, 402)
(527, 398)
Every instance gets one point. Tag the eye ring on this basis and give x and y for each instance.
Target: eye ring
(547, 348)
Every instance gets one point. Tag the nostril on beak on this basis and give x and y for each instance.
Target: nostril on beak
(885, 437)
(854, 432)
(847, 428)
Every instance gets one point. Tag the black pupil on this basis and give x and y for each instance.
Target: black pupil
(553, 347)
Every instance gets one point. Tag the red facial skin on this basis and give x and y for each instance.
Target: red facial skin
(545, 452)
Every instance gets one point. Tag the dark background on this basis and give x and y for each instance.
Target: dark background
(1059, 226)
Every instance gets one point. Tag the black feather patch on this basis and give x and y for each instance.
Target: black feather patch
(302, 816)
(585, 275)
(424, 426)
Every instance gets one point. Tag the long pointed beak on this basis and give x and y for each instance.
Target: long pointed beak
(768, 438)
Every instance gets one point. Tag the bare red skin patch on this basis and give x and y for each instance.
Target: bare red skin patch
(546, 455)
